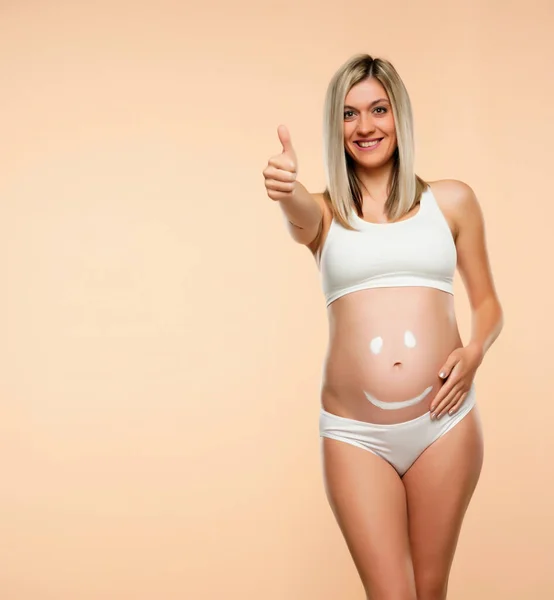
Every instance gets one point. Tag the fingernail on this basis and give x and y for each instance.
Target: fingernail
(442, 374)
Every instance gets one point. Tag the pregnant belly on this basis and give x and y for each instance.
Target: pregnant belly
(385, 351)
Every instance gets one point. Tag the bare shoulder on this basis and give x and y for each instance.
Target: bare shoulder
(453, 194)
(458, 202)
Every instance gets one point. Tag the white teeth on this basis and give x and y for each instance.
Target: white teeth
(368, 144)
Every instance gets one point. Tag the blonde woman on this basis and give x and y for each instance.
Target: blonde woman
(401, 437)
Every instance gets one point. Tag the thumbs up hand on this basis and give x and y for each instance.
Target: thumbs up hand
(281, 170)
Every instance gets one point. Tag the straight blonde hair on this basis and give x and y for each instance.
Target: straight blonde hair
(343, 189)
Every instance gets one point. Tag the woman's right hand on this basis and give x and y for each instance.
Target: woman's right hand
(280, 173)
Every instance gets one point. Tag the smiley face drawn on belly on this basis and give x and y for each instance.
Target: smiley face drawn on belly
(376, 347)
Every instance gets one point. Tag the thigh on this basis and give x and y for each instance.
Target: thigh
(368, 500)
(439, 487)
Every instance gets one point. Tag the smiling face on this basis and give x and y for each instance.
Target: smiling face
(368, 117)
(393, 357)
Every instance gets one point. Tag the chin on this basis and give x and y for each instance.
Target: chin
(374, 162)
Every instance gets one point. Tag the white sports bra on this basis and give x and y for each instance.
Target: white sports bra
(418, 251)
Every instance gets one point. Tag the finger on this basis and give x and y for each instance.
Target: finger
(443, 392)
(448, 400)
(453, 401)
(275, 170)
(278, 196)
(284, 138)
(448, 366)
(452, 380)
(279, 186)
(284, 163)
(457, 405)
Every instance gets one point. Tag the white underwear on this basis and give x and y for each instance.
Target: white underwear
(399, 443)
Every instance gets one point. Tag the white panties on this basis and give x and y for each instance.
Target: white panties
(399, 443)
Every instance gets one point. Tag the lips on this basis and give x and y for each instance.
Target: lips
(357, 142)
(397, 405)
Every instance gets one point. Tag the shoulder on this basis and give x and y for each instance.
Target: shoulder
(457, 200)
(453, 192)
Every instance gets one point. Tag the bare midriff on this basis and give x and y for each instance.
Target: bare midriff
(386, 348)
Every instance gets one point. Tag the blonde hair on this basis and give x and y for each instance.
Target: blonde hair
(343, 190)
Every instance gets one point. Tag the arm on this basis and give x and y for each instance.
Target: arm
(474, 268)
(303, 214)
(302, 211)
(487, 317)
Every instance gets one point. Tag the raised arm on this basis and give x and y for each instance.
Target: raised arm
(302, 211)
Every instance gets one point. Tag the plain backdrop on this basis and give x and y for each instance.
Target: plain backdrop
(162, 336)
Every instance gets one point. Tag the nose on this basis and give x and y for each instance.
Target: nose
(366, 125)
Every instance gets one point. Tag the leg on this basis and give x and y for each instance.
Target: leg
(439, 486)
(368, 500)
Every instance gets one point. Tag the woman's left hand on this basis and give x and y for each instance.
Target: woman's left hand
(458, 372)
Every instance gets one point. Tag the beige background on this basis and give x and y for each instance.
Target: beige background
(163, 337)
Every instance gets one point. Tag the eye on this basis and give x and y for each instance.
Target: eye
(381, 108)
(409, 339)
(376, 344)
(348, 111)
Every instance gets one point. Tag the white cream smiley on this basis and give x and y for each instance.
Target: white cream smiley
(397, 405)
(376, 346)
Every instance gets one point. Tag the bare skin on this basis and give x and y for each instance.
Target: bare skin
(402, 532)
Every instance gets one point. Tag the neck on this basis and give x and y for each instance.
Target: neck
(375, 182)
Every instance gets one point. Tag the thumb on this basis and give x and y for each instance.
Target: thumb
(448, 366)
(284, 138)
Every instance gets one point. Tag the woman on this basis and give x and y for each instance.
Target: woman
(400, 431)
